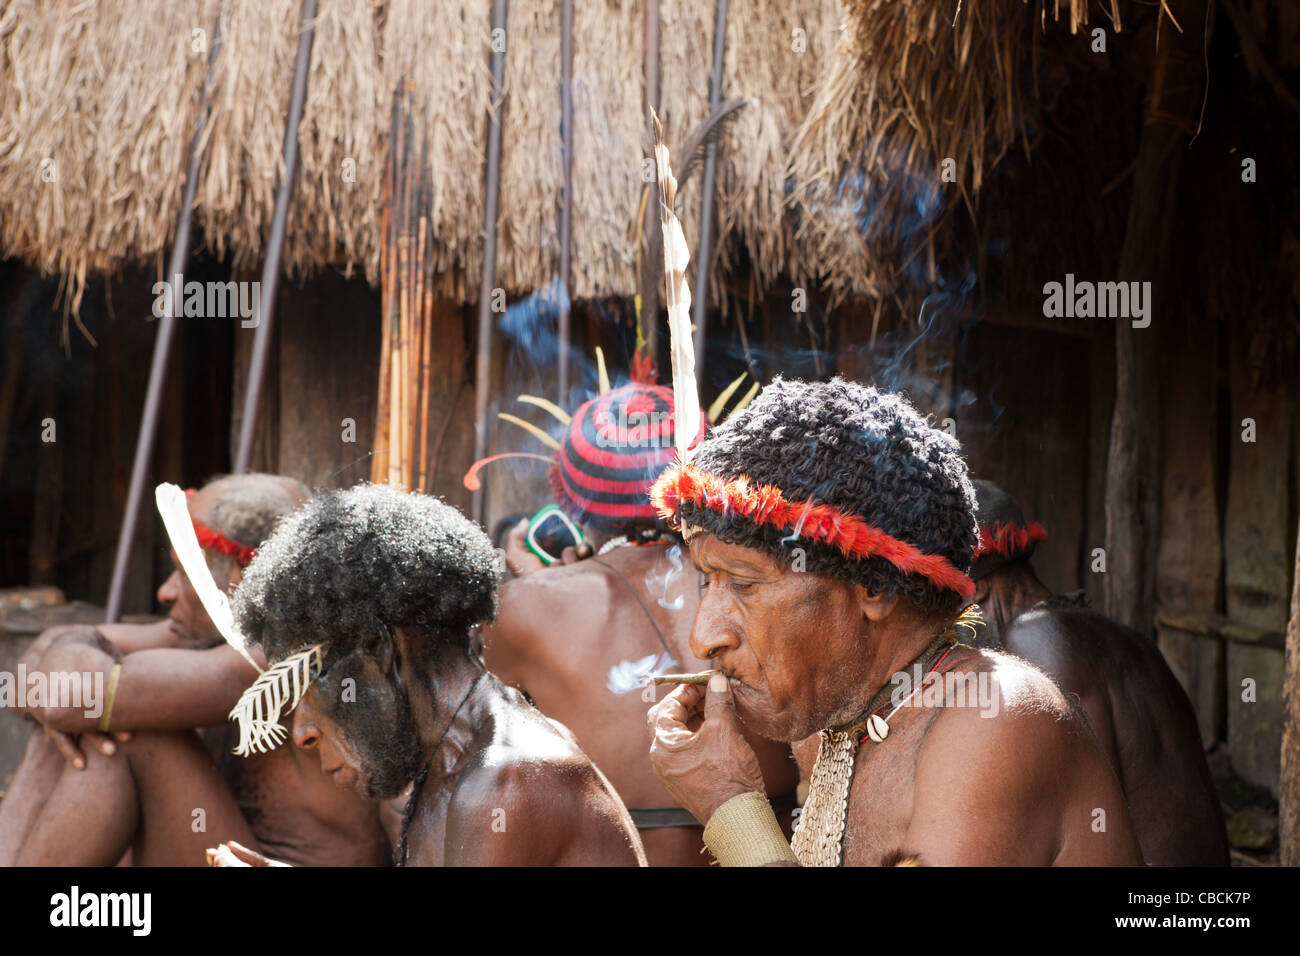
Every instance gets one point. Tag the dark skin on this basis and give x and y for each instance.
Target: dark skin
(506, 786)
(1137, 708)
(558, 633)
(139, 792)
(1018, 785)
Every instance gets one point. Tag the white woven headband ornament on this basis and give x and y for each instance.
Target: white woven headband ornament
(278, 690)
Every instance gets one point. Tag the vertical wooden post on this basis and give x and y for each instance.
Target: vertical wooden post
(1289, 786)
(1189, 574)
(1133, 468)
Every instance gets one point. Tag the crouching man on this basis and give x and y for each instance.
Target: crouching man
(363, 602)
(834, 529)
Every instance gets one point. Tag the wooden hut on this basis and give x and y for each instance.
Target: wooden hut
(903, 184)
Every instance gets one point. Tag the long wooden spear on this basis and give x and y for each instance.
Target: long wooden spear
(483, 363)
(275, 246)
(566, 207)
(706, 191)
(162, 348)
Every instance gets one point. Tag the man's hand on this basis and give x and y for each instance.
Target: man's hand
(519, 559)
(235, 854)
(704, 768)
(54, 643)
(68, 744)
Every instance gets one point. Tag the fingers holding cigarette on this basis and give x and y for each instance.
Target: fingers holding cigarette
(700, 678)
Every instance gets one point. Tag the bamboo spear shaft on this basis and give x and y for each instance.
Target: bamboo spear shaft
(395, 434)
(378, 472)
(275, 246)
(426, 319)
(161, 350)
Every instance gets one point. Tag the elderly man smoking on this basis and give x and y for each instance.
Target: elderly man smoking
(833, 529)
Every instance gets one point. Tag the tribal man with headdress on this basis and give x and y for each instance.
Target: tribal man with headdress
(363, 601)
(1137, 708)
(579, 638)
(138, 777)
(835, 528)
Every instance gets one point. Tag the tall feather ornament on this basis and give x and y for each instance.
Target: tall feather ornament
(180, 529)
(686, 399)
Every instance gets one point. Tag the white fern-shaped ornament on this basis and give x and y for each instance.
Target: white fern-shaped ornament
(276, 692)
(180, 529)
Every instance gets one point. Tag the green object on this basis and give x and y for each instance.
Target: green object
(549, 528)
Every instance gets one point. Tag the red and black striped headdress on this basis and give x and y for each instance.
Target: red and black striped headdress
(613, 447)
(612, 451)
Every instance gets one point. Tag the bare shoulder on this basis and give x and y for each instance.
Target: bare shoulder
(535, 784)
(999, 710)
(1009, 764)
(533, 602)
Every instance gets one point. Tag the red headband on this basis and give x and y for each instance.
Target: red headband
(766, 505)
(1008, 540)
(208, 538)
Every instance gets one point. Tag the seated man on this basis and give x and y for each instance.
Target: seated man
(571, 635)
(835, 529)
(1136, 706)
(160, 791)
(364, 600)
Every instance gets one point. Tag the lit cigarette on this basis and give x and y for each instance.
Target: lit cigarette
(701, 678)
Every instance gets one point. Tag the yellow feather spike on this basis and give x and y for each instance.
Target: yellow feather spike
(744, 402)
(532, 429)
(547, 405)
(720, 402)
(600, 369)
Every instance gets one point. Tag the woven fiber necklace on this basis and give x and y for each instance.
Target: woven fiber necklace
(819, 836)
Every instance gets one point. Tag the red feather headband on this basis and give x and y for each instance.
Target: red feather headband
(766, 505)
(1008, 540)
(209, 538)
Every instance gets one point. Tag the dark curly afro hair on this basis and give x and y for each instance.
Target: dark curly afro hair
(858, 449)
(351, 565)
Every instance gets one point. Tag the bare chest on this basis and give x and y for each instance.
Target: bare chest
(881, 798)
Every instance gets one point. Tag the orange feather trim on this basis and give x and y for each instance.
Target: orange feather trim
(1008, 539)
(767, 505)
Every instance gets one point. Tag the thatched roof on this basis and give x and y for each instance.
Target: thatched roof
(110, 93)
(914, 90)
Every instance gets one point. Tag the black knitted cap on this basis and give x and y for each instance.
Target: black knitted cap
(866, 454)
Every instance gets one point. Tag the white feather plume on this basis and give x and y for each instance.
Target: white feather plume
(180, 529)
(686, 399)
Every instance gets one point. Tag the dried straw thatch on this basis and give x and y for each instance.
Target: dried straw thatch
(97, 105)
(110, 92)
(914, 90)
